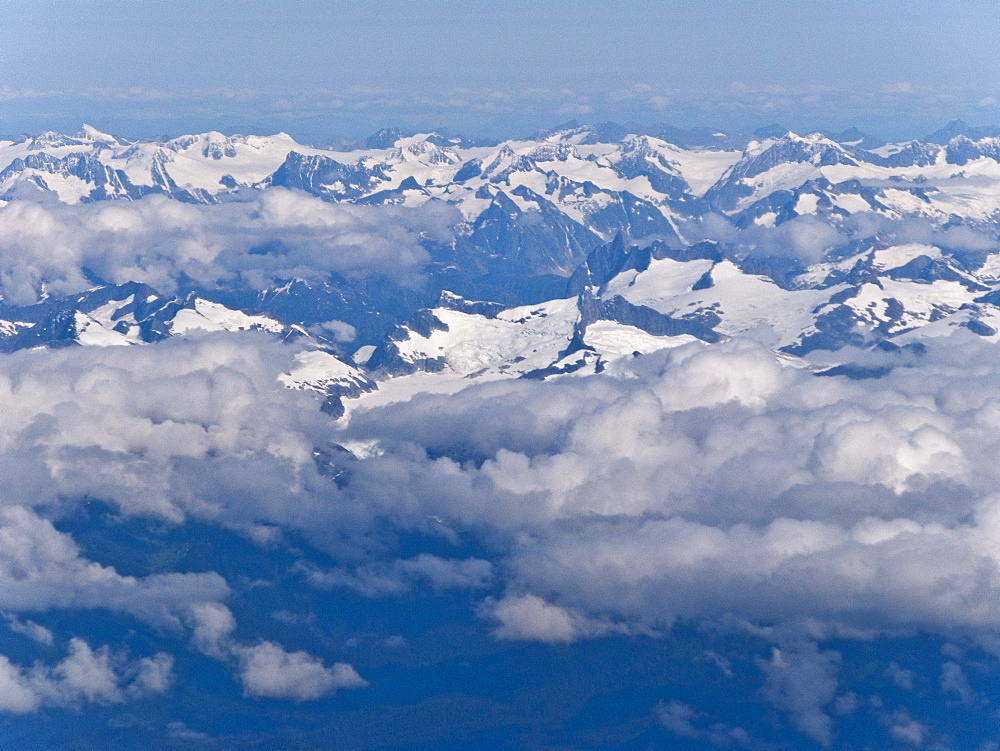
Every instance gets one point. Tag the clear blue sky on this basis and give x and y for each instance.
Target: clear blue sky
(345, 66)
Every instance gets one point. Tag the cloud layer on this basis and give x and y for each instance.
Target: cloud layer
(706, 483)
(275, 234)
(197, 429)
(714, 480)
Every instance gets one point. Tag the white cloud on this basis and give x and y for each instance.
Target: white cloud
(157, 240)
(713, 480)
(16, 694)
(901, 677)
(85, 676)
(688, 484)
(530, 617)
(212, 625)
(801, 680)
(267, 670)
(32, 630)
(161, 430)
(153, 675)
(340, 331)
(40, 568)
(182, 732)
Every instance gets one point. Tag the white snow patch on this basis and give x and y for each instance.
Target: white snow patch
(899, 255)
(90, 332)
(613, 340)
(210, 316)
(317, 371)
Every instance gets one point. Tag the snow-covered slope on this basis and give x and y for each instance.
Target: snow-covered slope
(634, 300)
(544, 203)
(131, 314)
(616, 217)
(779, 179)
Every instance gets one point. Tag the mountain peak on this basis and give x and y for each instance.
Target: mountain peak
(956, 128)
(386, 138)
(90, 133)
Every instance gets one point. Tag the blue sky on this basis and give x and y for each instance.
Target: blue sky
(344, 67)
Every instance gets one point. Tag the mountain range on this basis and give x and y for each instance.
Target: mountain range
(611, 437)
(568, 251)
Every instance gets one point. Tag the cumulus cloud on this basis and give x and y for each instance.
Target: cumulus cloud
(901, 677)
(153, 675)
(85, 676)
(905, 729)
(802, 680)
(267, 670)
(339, 330)
(697, 483)
(807, 238)
(704, 482)
(275, 234)
(16, 695)
(199, 426)
(41, 568)
(212, 625)
(713, 480)
(530, 617)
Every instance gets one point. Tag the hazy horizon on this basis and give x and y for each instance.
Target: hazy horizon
(345, 69)
(355, 137)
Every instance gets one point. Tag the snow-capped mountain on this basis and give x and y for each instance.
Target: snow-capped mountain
(131, 313)
(635, 300)
(566, 192)
(569, 250)
(541, 203)
(134, 313)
